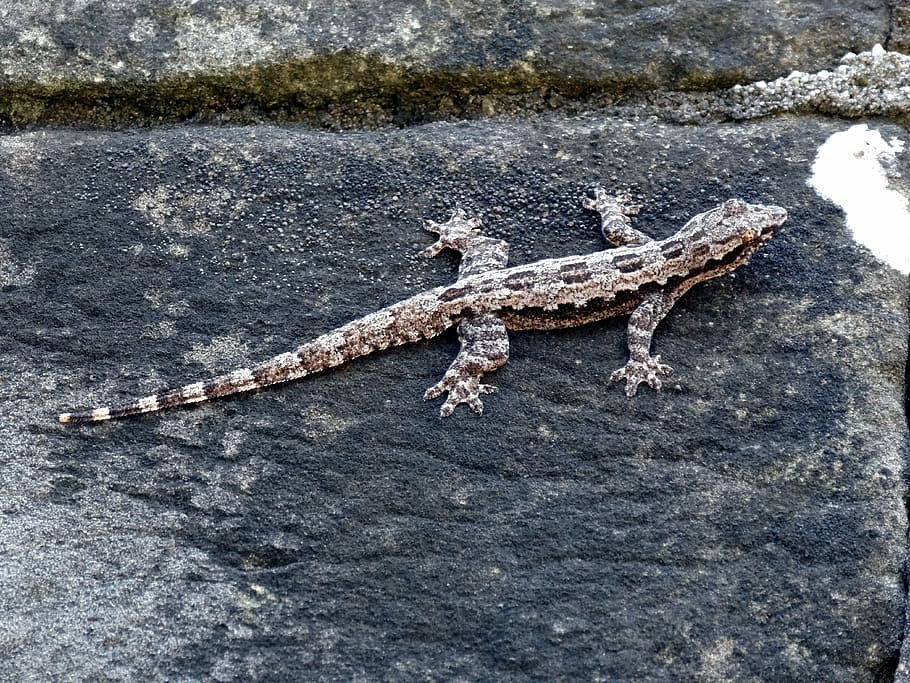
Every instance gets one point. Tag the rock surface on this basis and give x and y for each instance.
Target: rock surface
(747, 523)
(345, 64)
(747, 520)
(117, 41)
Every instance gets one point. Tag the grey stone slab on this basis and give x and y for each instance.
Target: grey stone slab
(107, 62)
(747, 523)
(116, 41)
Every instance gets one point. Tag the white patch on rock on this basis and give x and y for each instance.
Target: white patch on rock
(225, 350)
(851, 169)
(143, 29)
(232, 36)
(38, 36)
(12, 273)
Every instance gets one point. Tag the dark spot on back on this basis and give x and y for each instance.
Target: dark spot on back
(626, 263)
(519, 279)
(521, 275)
(453, 293)
(212, 386)
(672, 249)
(574, 272)
(168, 399)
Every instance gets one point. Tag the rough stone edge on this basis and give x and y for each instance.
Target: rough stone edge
(348, 90)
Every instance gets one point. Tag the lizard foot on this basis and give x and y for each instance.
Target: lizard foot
(462, 389)
(637, 371)
(454, 233)
(623, 200)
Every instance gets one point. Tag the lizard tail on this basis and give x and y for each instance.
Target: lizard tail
(419, 317)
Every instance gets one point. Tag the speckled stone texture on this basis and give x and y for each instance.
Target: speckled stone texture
(116, 41)
(344, 65)
(746, 523)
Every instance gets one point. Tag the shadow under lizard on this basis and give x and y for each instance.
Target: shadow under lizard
(642, 276)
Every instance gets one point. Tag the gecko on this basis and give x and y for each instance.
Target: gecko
(641, 276)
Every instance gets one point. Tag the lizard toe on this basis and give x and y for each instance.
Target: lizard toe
(461, 389)
(637, 371)
(434, 391)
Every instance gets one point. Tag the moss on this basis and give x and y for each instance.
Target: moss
(337, 90)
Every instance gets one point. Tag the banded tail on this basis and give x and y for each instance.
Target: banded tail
(420, 317)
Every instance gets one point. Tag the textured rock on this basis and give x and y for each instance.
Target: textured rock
(873, 83)
(117, 41)
(900, 26)
(746, 523)
(350, 63)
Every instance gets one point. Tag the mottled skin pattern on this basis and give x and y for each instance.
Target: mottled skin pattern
(642, 276)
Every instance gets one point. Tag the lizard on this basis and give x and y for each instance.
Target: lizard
(641, 276)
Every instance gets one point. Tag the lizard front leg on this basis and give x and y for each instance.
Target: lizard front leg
(484, 339)
(617, 229)
(642, 366)
(462, 234)
(614, 213)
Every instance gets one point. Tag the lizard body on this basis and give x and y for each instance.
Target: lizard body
(642, 276)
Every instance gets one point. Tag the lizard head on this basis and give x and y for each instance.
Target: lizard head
(754, 223)
(724, 237)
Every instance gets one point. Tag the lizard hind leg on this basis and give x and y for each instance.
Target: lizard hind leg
(484, 348)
